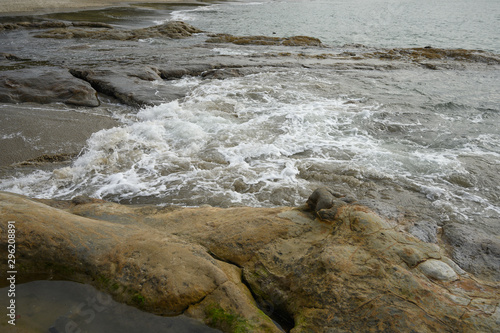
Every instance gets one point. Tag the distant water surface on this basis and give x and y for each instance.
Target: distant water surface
(468, 24)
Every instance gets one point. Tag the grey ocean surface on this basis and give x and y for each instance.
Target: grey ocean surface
(466, 24)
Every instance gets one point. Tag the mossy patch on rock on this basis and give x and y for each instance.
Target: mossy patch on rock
(227, 320)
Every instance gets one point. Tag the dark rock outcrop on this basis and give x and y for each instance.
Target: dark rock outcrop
(264, 40)
(428, 53)
(173, 29)
(45, 85)
(474, 250)
(132, 86)
(135, 86)
(51, 25)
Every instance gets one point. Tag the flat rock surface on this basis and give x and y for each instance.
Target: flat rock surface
(135, 86)
(45, 85)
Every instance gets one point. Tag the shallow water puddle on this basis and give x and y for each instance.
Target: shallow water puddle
(62, 306)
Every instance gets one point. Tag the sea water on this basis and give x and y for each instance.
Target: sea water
(464, 24)
(63, 306)
(422, 140)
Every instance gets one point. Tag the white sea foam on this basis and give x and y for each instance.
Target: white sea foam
(191, 14)
(31, 141)
(11, 136)
(228, 51)
(264, 139)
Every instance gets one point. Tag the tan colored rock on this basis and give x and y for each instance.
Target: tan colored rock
(353, 273)
(436, 269)
(153, 270)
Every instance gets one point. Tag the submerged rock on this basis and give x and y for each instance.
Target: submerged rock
(144, 85)
(346, 271)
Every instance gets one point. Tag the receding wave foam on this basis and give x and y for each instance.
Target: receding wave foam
(265, 139)
(191, 14)
(232, 141)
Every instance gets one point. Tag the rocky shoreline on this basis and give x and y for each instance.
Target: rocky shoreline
(333, 264)
(131, 81)
(330, 265)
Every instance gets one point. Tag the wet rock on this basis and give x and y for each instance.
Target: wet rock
(92, 25)
(426, 231)
(223, 73)
(9, 56)
(323, 198)
(420, 54)
(173, 29)
(364, 277)
(83, 199)
(264, 40)
(474, 250)
(48, 158)
(45, 85)
(174, 73)
(51, 24)
(134, 86)
(327, 203)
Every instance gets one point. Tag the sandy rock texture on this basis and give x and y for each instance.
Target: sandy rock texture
(330, 266)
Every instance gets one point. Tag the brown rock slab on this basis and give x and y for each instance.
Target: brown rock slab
(265, 40)
(132, 86)
(172, 29)
(354, 273)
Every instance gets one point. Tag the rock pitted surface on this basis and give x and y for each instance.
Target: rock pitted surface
(331, 266)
